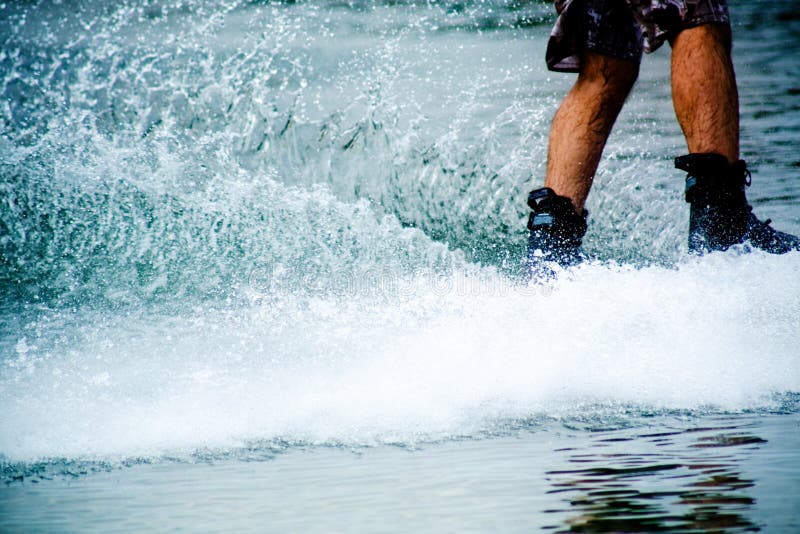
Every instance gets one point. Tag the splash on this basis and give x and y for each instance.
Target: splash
(247, 222)
(441, 356)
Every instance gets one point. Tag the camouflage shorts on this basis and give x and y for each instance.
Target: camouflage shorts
(623, 28)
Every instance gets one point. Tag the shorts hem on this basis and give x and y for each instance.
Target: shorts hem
(663, 37)
(570, 62)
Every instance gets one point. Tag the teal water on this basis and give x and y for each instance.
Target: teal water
(264, 256)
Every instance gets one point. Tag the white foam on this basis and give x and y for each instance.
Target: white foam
(446, 356)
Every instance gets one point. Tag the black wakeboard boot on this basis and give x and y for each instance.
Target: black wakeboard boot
(719, 215)
(556, 233)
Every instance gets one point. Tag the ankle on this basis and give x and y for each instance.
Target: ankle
(712, 180)
(555, 215)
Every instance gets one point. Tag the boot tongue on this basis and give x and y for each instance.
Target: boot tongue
(557, 214)
(712, 180)
(727, 191)
(567, 225)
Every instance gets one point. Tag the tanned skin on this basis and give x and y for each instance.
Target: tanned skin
(704, 96)
(704, 90)
(583, 123)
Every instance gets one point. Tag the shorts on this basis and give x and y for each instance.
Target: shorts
(623, 28)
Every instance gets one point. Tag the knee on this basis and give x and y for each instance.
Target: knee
(717, 34)
(606, 75)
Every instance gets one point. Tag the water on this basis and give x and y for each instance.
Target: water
(674, 475)
(259, 266)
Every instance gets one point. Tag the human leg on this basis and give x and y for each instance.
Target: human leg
(583, 123)
(704, 92)
(599, 40)
(706, 104)
(578, 135)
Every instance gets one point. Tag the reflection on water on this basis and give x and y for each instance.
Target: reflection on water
(684, 480)
(682, 473)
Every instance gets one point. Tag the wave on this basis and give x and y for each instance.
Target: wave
(279, 222)
(437, 356)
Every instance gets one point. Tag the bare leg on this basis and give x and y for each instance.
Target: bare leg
(707, 106)
(704, 90)
(583, 123)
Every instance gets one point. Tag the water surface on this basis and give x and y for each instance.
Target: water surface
(259, 267)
